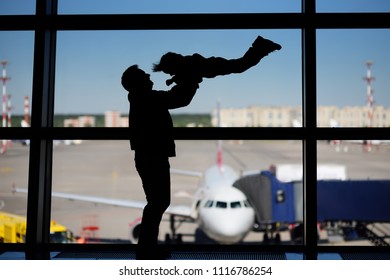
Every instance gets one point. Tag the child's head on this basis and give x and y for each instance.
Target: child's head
(169, 63)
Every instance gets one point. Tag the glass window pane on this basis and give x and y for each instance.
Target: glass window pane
(89, 69)
(105, 170)
(13, 205)
(16, 56)
(221, 204)
(17, 7)
(358, 6)
(235, 204)
(176, 6)
(353, 210)
(353, 67)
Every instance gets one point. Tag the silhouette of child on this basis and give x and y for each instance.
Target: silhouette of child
(180, 66)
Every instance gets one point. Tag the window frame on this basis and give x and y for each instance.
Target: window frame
(46, 22)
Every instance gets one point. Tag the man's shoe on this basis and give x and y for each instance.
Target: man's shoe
(163, 254)
(265, 46)
(155, 253)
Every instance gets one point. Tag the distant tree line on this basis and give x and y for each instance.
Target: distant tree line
(183, 120)
(179, 120)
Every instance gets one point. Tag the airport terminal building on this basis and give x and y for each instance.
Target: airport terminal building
(287, 116)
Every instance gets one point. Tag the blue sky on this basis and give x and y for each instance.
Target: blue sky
(90, 63)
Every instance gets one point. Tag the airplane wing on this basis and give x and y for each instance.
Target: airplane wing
(186, 172)
(179, 210)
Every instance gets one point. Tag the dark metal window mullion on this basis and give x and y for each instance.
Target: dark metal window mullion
(41, 146)
(309, 87)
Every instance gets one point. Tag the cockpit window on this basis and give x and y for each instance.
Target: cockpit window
(209, 204)
(235, 204)
(221, 204)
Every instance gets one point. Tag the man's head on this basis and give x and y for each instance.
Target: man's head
(169, 63)
(135, 79)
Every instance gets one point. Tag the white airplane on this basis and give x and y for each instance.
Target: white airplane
(221, 211)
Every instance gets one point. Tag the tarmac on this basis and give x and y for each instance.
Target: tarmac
(106, 169)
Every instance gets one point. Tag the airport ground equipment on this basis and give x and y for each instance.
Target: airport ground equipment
(13, 230)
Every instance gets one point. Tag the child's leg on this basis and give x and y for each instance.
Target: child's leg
(220, 66)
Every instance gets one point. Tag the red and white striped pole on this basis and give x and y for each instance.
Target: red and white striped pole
(26, 111)
(370, 97)
(9, 110)
(4, 79)
(370, 100)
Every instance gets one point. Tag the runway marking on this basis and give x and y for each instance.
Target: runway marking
(6, 170)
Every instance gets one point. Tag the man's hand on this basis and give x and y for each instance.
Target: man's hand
(184, 79)
(170, 81)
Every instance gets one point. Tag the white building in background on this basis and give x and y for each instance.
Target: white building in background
(288, 116)
(356, 116)
(87, 121)
(259, 116)
(82, 121)
(114, 119)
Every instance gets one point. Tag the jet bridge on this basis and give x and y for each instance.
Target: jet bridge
(273, 201)
(353, 200)
(357, 203)
(337, 200)
(357, 207)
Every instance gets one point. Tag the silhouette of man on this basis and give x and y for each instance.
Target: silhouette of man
(153, 143)
(180, 66)
(152, 128)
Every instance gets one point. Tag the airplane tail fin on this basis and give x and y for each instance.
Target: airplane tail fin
(219, 142)
(219, 155)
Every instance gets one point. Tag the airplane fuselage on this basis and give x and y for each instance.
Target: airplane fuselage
(222, 211)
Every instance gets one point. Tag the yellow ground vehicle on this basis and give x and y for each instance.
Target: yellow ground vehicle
(13, 230)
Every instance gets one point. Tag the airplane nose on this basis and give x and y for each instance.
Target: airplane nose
(231, 225)
(237, 223)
